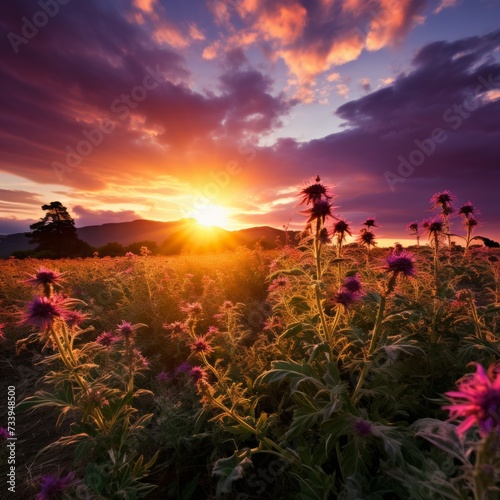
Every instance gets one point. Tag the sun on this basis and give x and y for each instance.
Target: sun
(213, 215)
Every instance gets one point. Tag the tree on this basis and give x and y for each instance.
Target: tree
(55, 234)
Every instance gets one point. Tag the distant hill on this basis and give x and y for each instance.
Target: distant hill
(172, 237)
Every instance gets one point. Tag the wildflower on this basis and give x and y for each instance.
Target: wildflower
(194, 308)
(352, 284)
(346, 298)
(130, 255)
(141, 360)
(278, 283)
(198, 374)
(163, 377)
(433, 226)
(471, 222)
(477, 401)
(413, 227)
(184, 367)
(467, 209)
(324, 236)
(4, 433)
(272, 323)
(227, 304)
(370, 222)
(341, 228)
(126, 329)
(106, 339)
(401, 263)
(212, 330)
(444, 199)
(43, 311)
(176, 327)
(314, 192)
(52, 486)
(367, 238)
(45, 276)
(200, 344)
(398, 248)
(320, 210)
(74, 318)
(362, 428)
(463, 297)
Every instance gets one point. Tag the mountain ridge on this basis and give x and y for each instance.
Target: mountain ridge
(185, 234)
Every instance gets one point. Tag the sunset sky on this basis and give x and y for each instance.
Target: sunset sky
(223, 109)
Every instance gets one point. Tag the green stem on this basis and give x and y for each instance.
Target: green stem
(477, 475)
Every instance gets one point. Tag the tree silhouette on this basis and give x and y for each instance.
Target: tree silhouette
(56, 235)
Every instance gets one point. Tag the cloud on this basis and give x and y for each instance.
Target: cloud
(87, 217)
(365, 84)
(445, 4)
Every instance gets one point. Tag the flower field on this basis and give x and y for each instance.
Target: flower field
(315, 371)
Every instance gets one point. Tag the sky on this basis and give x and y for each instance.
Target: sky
(223, 110)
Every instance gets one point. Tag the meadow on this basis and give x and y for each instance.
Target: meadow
(315, 371)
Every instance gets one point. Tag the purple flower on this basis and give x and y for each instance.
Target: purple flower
(198, 374)
(200, 344)
(370, 222)
(184, 367)
(413, 227)
(341, 228)
(4, 433)
(401, 263)
(346, 298)
(227, 305)
(163, 377)
(433, 226)
(477, 401)
(45, 276)
(471, 222)
(280, 282)
(194, 308)
(320, 210)
(367, 238)
(53, 486)
(444, 199)
(352, 284)
(106, 339)
(43, 311)
(314, 192)
(362, 428)
(467, 209)
(176, 327)
(125, 329)
(74, 318)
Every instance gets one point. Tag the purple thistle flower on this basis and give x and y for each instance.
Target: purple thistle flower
(352, 284)
(320, 210)
(370, 222)
(198, 374)
(280, 282)
(184, 367)
(477, 401)
(43, 311)
(227, 304)
(471, 222)
(125, 329)
(53, 486)
(4, 433)
(194, 308)
(401, 263)
(324, 237)
(141, 360)
(362, 428)
(467, 209)
(45, 276)
(106, 339)
(163, 377)
(444, 199)
(346, 298)
(341, 227)
(433, 226)
(200, 344)
(413, 227)
(314, 193)
(366, 238)
(74, 318)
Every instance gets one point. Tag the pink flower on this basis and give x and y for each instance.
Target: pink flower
(43, 311)
(194, 308)
(401, 263)
(45, 276)
(4, 433)
(127, 329)
(477, 401)
(444, 199)
(106, 339)
(176, 327)
(278, 283)
(198, 374)
(53, 487)
(200, 344)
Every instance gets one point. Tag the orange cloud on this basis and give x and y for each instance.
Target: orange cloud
(145, 5)
(286, 23)
(171, 35)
